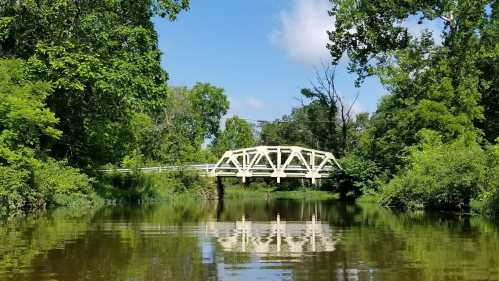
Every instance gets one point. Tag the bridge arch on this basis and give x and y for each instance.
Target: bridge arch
(276, 162)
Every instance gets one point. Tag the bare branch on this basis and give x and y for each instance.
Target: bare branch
(353, 103)
(300, 100)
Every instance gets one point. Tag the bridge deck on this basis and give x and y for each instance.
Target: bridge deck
(261, 161)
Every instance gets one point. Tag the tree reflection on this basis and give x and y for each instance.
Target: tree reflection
(269, 239)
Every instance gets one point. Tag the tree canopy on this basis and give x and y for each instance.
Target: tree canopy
(440, 85)
(238, 133)
(103, 63)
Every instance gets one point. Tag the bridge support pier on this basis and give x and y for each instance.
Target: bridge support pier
(220, 189)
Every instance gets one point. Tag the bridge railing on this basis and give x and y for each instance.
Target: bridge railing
(261, 161)
(204, 168)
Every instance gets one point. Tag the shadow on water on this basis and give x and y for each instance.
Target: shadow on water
(247, 240)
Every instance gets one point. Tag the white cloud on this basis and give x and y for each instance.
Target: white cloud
(302, 31)
(241, 106)
(253, 103)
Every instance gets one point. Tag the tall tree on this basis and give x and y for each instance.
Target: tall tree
(238, 133)
(176, 134)
(26, 125)
(489, 74)
(28, 177)
(324, 92)
(103, 62)
(437, 86)
(339, 110)
(211, 103)
(304, 126)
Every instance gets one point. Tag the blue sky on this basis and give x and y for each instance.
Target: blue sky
(261, 52)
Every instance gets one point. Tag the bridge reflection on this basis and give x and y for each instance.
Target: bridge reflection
(287, 238)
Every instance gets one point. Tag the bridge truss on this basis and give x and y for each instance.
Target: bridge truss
(276, 162)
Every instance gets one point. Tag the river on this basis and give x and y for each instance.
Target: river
(248, 240)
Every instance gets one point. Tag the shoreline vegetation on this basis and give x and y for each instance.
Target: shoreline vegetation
(115, 188)
(89, 92)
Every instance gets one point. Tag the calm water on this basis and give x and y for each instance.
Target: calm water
(248, 240)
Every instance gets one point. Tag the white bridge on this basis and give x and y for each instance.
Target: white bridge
(276, 162)
(276, 238)
(259, 162)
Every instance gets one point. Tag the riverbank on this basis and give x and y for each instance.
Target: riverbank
(302, 193)
(143, 188)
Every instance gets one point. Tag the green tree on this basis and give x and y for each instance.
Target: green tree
(26, 125)
(211, 103)
(489, 73)
(103, 63)
(28, 177)
(440, 176)
(437, 86)
(238, 133)
(369, 31)
(488, 200)
(175, 134)
(305, 126)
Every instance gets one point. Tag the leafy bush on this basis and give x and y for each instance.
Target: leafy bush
(49, 183)
(440, 176)
(61, 185)
(141, 187)
(359, 176)
(488, 200)
(13, 189)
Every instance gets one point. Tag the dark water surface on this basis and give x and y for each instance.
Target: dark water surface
(248, 240)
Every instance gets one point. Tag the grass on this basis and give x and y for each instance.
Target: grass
(304, 193)
(149, 188)
(240, 192)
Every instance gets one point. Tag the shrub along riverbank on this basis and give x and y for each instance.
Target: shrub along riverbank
(459, 176)
(140, 187)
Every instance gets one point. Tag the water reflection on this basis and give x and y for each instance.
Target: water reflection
(248, 240)
(278, 237)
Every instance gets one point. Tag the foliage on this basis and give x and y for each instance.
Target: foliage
(289, 130)
(30, 179)
(305, 126)
(488, 200)
(50, 183)
(447, 86)
(370, 31)
(439, 175)
(310, 126)
(139, 187)
(210, 102)
(14, 189)
(305, 194)
(443, 90)
(238, 133)
(24, 120)
(359, 175)
(61, 185)
(105, 100)
(88, 88)
(102, 60)
(176, 134)
(434, 98)
(325, 97)
(262, 190)
(489, 73)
